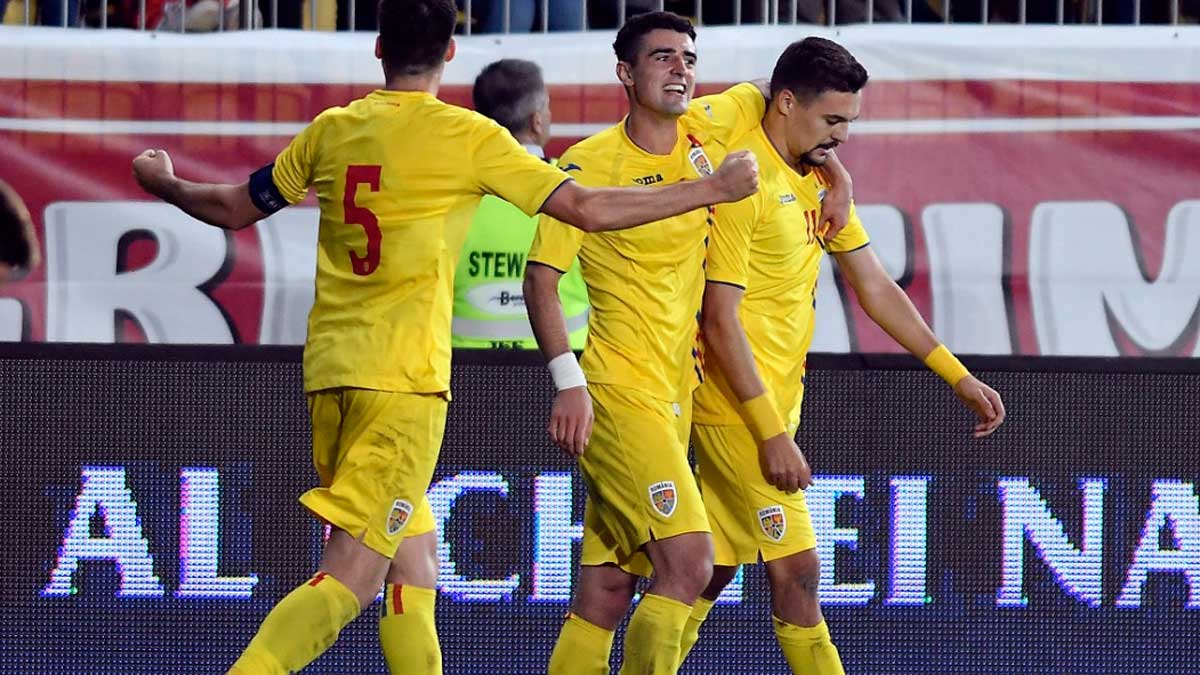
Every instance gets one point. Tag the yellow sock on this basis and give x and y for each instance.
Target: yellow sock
(808, 650)
(691, 630)
(407, 631)
(583, 648)
(300, 628)
(654, 636)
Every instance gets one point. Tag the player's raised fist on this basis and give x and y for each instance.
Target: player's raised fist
(151, 167)
(737, 178)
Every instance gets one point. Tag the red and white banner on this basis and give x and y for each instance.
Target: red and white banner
(1035, 189)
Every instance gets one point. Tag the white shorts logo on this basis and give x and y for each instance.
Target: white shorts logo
(398, 518)
(663, 497)
(772, 522)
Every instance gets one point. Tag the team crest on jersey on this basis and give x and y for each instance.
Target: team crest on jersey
(821, 192)
(700, 161)
(398, 518)
(663, 497)
(772, 522)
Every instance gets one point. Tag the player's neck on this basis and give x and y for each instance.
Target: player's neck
(426, 82)
(652, 131)
(776, 132)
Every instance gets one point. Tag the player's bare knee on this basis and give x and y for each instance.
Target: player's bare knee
(721, 576)
(796, 574)
(415, 562)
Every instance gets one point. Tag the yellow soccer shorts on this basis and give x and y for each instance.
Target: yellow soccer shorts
(749, 516)
(375, 452)
(640, 486)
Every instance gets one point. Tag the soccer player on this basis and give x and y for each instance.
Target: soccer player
(397, 175)
(489, 307)
(757, 320)
(641, 360)
(18, 246)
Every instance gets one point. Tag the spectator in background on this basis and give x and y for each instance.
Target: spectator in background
(489, 304)
(52, 12)
(199, 16)
(18, 246)
(281, 13)
(846, 11)
(525, 15)
(366, 15)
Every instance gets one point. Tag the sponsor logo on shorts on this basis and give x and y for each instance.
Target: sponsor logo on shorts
(772, 522)
(398, 518)
(663, 497)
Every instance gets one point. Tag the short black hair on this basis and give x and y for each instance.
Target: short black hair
(629, 38)
(16, 247)
(414, 34)
(813, 66)
(509, 91)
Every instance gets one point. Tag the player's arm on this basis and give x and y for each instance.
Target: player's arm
(225, 206)
(835, 208)
(18, 245)
(571, 415)
(889, 307)
(783, 464)
(599, 209)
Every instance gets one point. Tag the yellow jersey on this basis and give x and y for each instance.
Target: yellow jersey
(398, 175)
(768, 244)
(645, 284)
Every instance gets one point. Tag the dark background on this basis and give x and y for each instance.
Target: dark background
(155, 410)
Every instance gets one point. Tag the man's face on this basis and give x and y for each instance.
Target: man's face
(544, 113)
(822, 125)
(664, 76)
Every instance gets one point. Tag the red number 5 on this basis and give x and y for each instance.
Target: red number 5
(357, 215)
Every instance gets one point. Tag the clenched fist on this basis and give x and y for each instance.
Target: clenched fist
(737, 178)
(152, 168)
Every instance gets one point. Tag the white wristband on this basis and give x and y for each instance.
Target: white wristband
(566, 372)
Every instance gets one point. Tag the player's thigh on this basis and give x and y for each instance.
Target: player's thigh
(749, 516)
(386, 452)
(637, 471)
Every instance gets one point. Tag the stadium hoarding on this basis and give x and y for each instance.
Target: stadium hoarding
(152, 491)
(1032, 188)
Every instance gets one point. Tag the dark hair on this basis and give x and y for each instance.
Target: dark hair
(629, 38)
(813, 66)
(509, 91)
(414, 34)
(16, 249)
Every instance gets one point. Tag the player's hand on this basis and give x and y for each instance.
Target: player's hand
(571, 420)
(783, 464)
(152, 168)
(737, 177)
(835, 207)
(984, 401)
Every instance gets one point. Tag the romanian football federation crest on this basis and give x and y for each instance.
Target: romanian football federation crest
(700, 161)
(663, 497)
(772, 522)
(398, 518)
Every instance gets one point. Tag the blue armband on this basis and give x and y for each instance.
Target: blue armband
(263, 193)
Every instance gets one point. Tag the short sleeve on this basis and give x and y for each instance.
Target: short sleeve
(294, 166)
(853, 236)
(505, 169)
(729, 242)
(732, 113)
(555, 243)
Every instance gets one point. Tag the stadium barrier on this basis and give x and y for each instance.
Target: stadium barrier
(151, 496)
(997, 170)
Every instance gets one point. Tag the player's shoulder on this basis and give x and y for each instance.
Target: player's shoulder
(587, 154)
